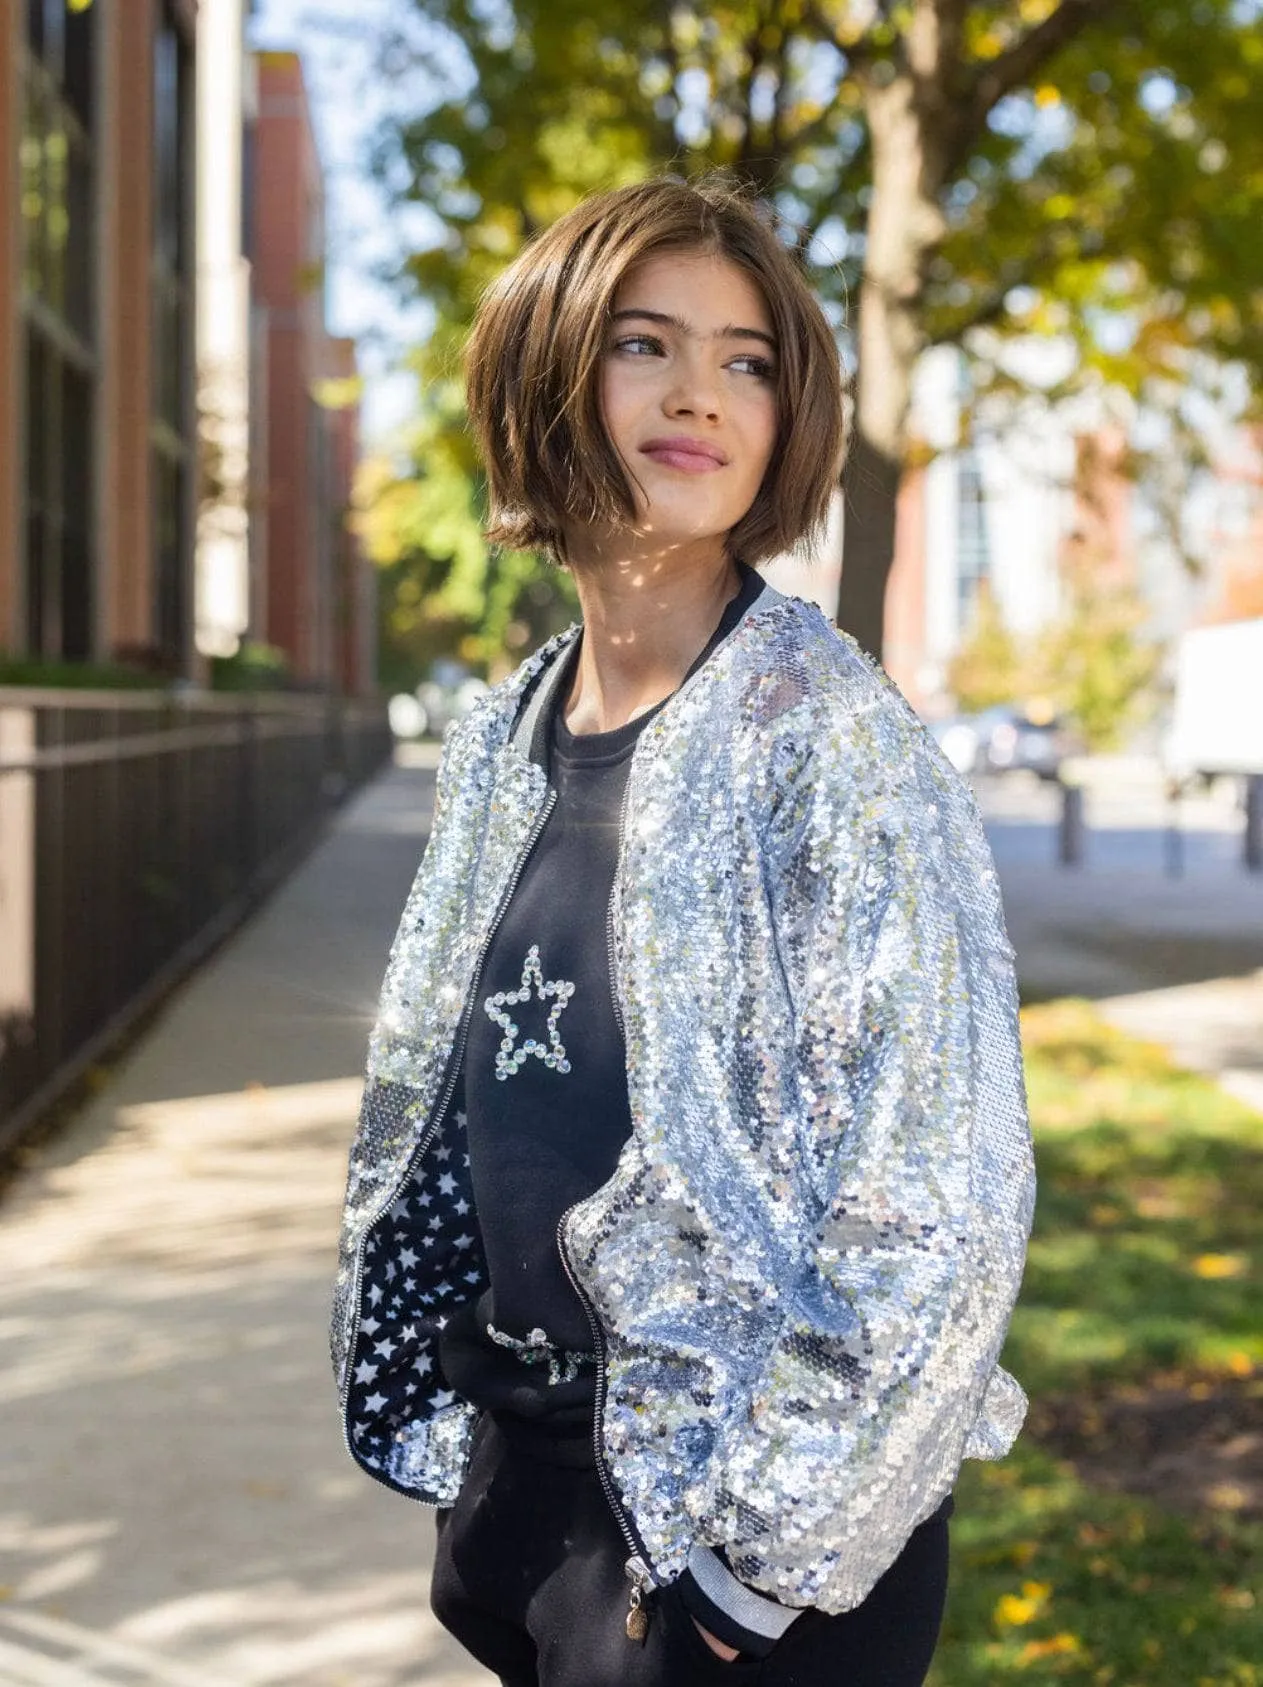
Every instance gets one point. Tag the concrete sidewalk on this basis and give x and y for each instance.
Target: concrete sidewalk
(176, 1506)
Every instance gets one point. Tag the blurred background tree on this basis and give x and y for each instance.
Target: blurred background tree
(1094, 662)
(1093, 665)
(989, 668)
(441, 590)
(963, 173)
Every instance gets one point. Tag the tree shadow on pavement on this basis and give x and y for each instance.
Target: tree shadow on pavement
(175, 1483)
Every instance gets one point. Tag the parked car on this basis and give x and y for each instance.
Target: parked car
(1021, 741)
(1005, 740)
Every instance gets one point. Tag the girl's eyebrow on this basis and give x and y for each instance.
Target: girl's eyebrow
(668, 321)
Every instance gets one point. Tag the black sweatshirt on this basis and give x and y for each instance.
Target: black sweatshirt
(545, 1090)
(545, 1081)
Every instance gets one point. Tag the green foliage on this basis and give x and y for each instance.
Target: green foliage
(1094, 662)
(1144, 1260)
(1116, 194)
(1092, 665)
(35, 671)
(442, 591)
(1151, 1183)
(1124, 191)
(1091, 171)
(988, 669)
(254, 667)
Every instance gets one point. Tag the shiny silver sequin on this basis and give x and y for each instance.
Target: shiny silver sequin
(805, 1261)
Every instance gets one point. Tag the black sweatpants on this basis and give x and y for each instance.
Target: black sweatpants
(529, 1578)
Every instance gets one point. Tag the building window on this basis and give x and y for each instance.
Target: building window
(973, 554)
(57, 165)
(172, 363)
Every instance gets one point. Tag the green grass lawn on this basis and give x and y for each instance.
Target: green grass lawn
(1143, 1268)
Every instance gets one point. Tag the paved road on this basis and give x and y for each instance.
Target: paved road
(176, 1507)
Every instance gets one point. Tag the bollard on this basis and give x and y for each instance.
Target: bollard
(1173, 836)
(1254, 822)
(1070, 831)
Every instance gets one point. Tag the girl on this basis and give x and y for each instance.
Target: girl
(693, 1181)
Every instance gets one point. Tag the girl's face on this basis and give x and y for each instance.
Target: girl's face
(689, 393)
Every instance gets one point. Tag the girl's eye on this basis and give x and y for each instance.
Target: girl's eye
(639, 345)
(759, 367)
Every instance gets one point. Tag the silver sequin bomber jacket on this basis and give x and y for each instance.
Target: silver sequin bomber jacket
(801, 1271)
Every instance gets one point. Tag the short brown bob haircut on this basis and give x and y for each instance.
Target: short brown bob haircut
(533, 368)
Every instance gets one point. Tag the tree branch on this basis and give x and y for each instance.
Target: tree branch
(1015, 67)
(992, 306)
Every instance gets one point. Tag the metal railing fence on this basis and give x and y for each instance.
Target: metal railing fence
(135, 829)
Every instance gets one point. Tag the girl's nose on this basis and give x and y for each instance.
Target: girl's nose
(694, 391)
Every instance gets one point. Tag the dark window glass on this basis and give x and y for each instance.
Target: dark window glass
(35, 24)
(56, 164)
(56, 214)
(34, 193)
(168, 147)
(80, 235)
(172, 235)
(35, 436)
(46, 31)
(58, 437)
(80, 63)
(76, 503)
(169, 549)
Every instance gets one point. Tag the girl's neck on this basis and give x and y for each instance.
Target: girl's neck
(646, 619)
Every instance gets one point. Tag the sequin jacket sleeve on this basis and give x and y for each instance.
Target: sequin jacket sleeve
(909, 1075)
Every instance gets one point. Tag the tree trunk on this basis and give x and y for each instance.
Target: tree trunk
(870, 490)
(905, 226)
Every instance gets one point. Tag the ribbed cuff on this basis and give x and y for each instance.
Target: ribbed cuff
(730, 1610)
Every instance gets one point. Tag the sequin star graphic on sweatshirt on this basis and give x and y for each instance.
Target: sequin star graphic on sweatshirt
(512, 1056)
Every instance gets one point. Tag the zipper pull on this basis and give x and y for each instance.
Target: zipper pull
(637, 1624)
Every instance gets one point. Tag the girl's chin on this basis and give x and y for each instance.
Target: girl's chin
(652, 537)
(670, 528)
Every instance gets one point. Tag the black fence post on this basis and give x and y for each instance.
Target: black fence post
(1070, 831)
(1173, 834)
(1254, 822)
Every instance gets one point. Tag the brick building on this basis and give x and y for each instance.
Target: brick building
(314, 600)
(97, 411)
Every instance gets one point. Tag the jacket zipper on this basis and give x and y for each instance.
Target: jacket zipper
(638, 1570)
(609, 913)
(449, 1085)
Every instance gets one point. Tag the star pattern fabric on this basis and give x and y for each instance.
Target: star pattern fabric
(422, 1260)
(510, 1056)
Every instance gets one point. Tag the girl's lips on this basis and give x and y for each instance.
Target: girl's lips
(682, 454)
